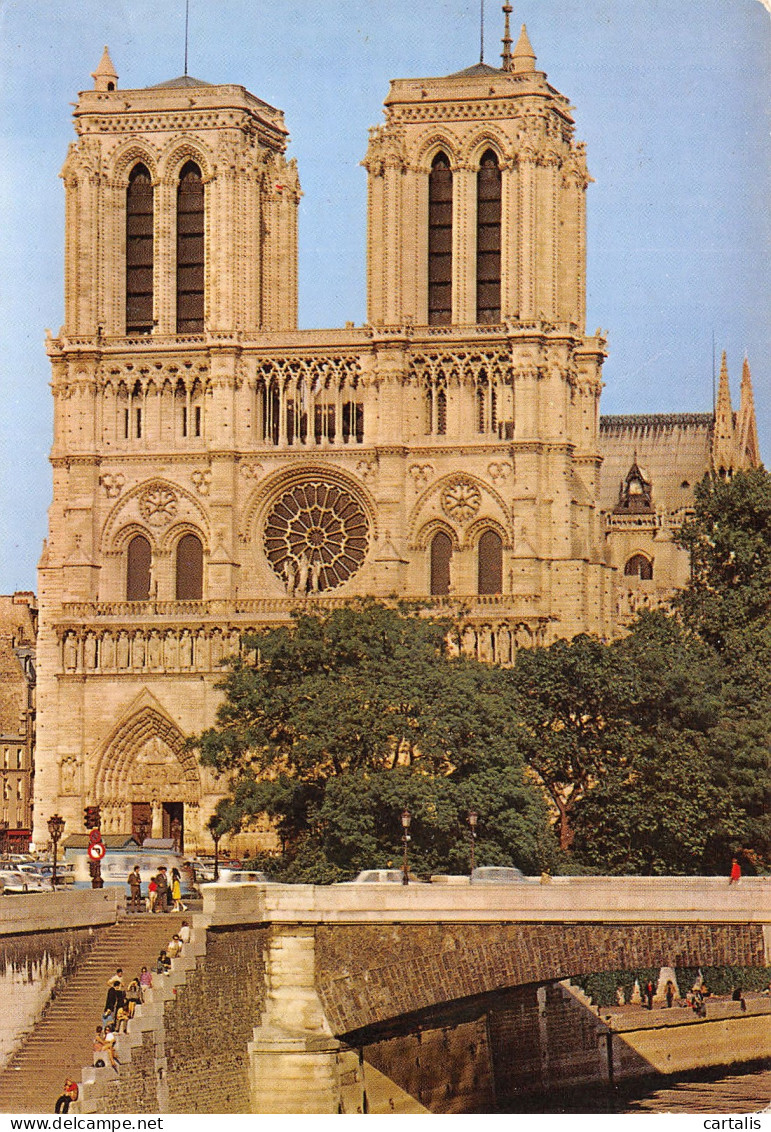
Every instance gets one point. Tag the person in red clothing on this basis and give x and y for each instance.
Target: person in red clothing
(736, 872)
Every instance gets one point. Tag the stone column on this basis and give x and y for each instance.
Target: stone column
(295, 1063)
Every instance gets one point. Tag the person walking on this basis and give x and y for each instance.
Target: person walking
(176, 892)
(650, 990)
(736, 872)
(669, 993)
(161, 890)
(135, 890)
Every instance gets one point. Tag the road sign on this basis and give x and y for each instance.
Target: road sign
(96, 850)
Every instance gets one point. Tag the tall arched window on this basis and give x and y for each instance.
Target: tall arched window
(639, 566)
(490, 564)
(441, 553)
(139, 561)
(489, 239)
(139, 252)
(440, 242)
(190, 288)
(189, 568)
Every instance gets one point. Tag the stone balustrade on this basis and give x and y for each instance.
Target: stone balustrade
(195, 636)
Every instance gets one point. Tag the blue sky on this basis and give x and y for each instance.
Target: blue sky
(670, 96)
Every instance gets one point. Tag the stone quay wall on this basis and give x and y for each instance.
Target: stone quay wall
(193, 1056)
(43, 938)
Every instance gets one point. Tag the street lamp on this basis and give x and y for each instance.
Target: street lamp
(472, 821)
(56, 829)
(216, 834)
(405, 838)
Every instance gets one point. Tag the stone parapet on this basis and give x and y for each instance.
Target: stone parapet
(56, 911)
(617, 900)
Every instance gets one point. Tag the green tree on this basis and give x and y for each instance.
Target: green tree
(333, 725)
(728, 604)
(729, 541)
(660, 805)
(571, 699)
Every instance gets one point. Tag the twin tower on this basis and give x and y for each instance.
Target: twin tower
(215, 467)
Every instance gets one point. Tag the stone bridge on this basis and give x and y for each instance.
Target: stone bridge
(364, 964)
(305, 989)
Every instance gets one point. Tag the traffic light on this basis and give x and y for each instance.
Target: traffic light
(91, 817)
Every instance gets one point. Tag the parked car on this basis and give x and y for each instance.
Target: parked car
(64, 874)
(497, 874)
(204, 869)
(240, 876)
(18, 882)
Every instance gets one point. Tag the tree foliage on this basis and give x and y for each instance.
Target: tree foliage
(728, 600)
(653, 750)
(571, 699)
(334, 725)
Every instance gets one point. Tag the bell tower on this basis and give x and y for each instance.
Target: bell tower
(180, 247)
(476, 199)
(181, 212)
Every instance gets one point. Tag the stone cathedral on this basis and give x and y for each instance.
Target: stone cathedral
(215, 467)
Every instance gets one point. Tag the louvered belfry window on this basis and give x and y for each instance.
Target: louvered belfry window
(138, 569)
(139, 252)
(440, 242)
(189, 568)
(190, 218)
(441, 553)
(489, 240)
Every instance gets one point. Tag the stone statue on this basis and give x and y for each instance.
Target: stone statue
(302, 574)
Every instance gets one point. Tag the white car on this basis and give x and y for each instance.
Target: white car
(14, 881)
(239, 876)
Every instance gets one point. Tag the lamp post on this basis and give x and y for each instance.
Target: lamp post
(472, 821)
(216, 834)
(405, 838)
(56, 829)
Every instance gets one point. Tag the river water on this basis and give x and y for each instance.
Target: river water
(711, 1091)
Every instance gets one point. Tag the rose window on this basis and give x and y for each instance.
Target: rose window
(316, 537)
(158, 505)
(461, 500)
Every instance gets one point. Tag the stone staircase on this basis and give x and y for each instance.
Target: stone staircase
(60, 1045)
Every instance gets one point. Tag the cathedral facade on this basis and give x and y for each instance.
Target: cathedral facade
(215, 467)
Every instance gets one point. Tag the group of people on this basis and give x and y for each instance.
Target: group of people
(695, 999)
(164, 893)
(120, 1005)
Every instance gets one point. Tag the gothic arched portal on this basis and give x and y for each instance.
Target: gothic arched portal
(145, 776)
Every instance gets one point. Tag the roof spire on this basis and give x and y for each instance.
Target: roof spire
(747, 446)
(104, 76)
(723, 432)
(506, 55)
(523, 59)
